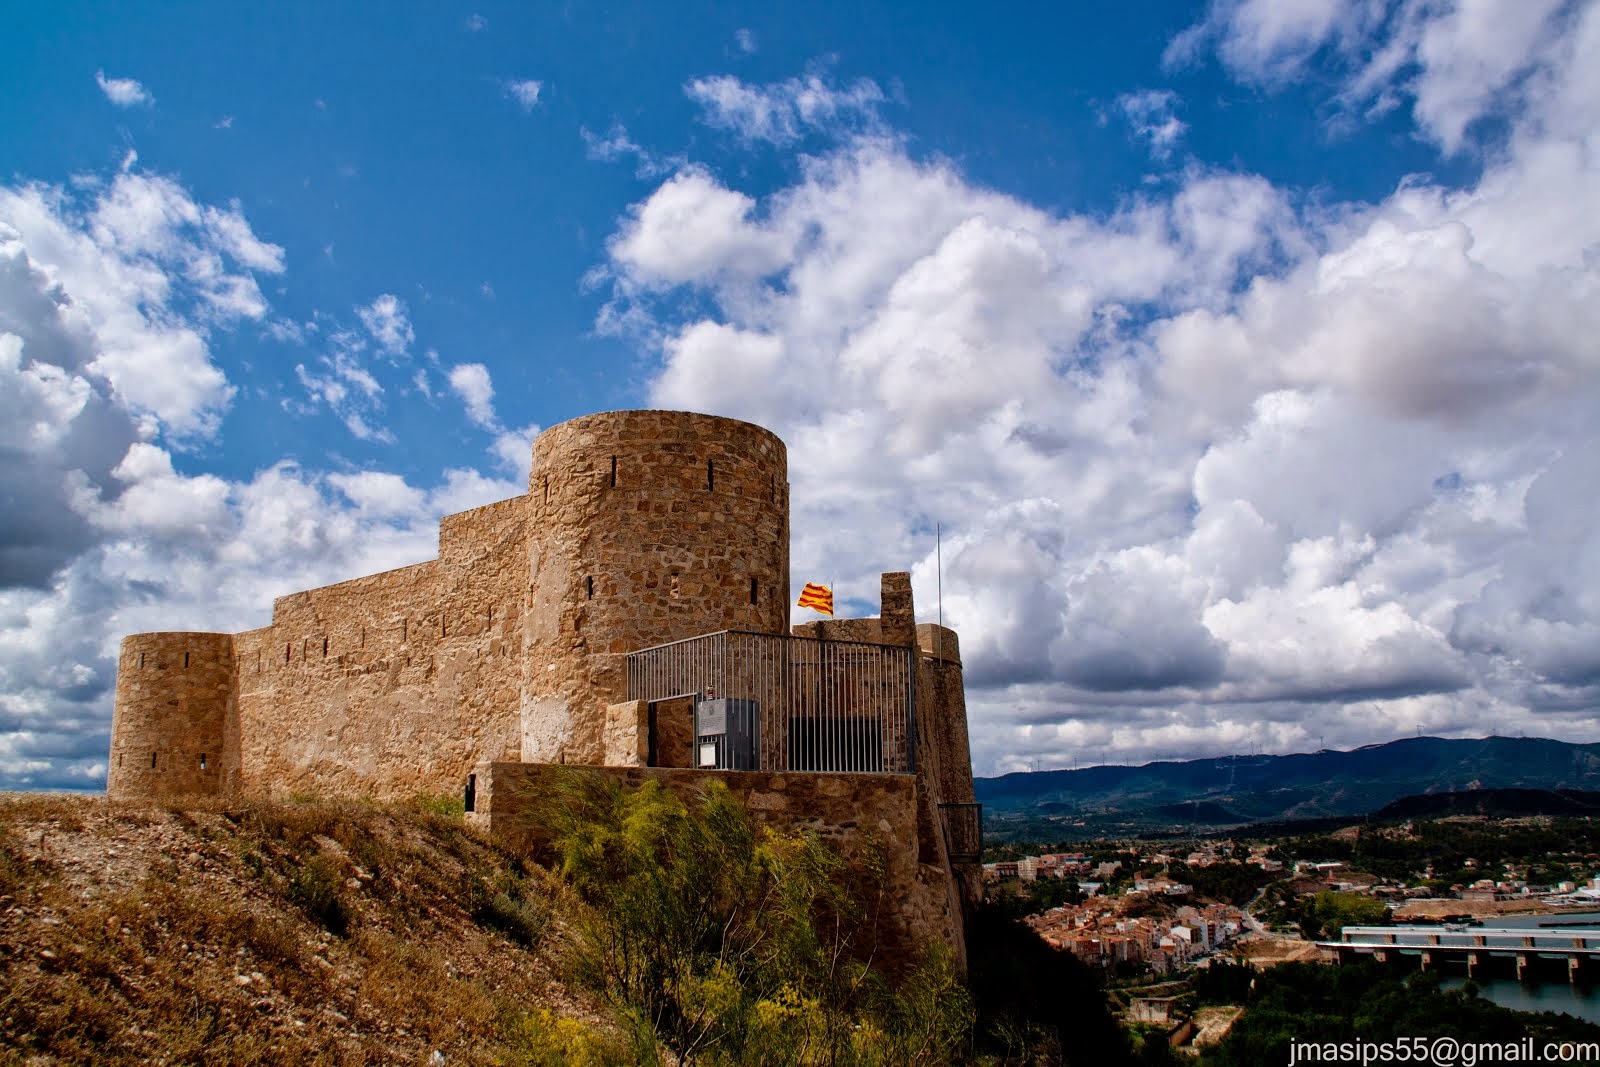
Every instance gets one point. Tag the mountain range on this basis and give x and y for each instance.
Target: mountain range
(1224, 791)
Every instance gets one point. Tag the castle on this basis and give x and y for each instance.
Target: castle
(630, 614)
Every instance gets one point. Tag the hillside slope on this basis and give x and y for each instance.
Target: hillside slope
(257, 933)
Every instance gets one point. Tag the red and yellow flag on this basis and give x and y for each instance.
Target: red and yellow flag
(817, 598)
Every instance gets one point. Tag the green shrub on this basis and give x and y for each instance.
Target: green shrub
(726, 943)
(314, 887)
(521, 918)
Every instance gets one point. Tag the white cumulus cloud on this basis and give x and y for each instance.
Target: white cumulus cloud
(389, 324)
(470, 382)
(1152, 116)
(1455, 63)
(782, 112)
(123, 92)
(1218, 467)
(525, 92)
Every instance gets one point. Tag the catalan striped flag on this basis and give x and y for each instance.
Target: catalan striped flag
(817, 598)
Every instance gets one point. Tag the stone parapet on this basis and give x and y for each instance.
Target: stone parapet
(939, 642)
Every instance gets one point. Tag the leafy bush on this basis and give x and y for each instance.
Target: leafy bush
(314, 888)
(509, 905)
(729, 944)
(544, 1039)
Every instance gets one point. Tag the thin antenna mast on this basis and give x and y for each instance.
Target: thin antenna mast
(938, 568)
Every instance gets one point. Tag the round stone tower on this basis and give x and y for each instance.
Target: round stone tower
(646, 527)
(176, 698)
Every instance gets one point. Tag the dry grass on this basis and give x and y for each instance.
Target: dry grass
(261, 933)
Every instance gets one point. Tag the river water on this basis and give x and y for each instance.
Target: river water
(1581, 1000)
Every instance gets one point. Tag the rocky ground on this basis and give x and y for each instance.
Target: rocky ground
(261, 933)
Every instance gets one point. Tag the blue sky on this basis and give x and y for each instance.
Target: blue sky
(1244, 352)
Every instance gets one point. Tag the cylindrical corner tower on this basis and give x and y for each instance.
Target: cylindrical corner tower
(942, 707)
(176, 693)
(646, 527)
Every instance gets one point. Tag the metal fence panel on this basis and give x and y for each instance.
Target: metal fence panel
(837, 706)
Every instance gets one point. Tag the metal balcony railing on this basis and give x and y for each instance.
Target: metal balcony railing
(817, 705)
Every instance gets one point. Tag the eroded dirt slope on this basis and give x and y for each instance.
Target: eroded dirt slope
(262, 933)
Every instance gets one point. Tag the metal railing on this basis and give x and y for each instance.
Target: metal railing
(837, 706)
(963, 832)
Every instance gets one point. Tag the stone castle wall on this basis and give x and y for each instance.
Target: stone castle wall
(640, 527)
(394, 684)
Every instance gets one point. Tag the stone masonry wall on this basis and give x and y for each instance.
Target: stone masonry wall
(853, 812)
(645, 527)
(945, 722)
(641, 527)
(175, 695)
(394, 684)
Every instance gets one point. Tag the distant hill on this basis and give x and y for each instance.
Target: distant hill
(1243, 789)
(1499, 803)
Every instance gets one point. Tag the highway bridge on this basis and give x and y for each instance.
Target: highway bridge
(1534, 951)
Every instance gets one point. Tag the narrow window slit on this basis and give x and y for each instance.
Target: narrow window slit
(613, 472)
(753, 584)
(141, 661)
(286, 647)
(711, 475)
(324, 648)
(589, 582)
(186, 661)
(470, 800)
(152, 761)
(202, 761)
